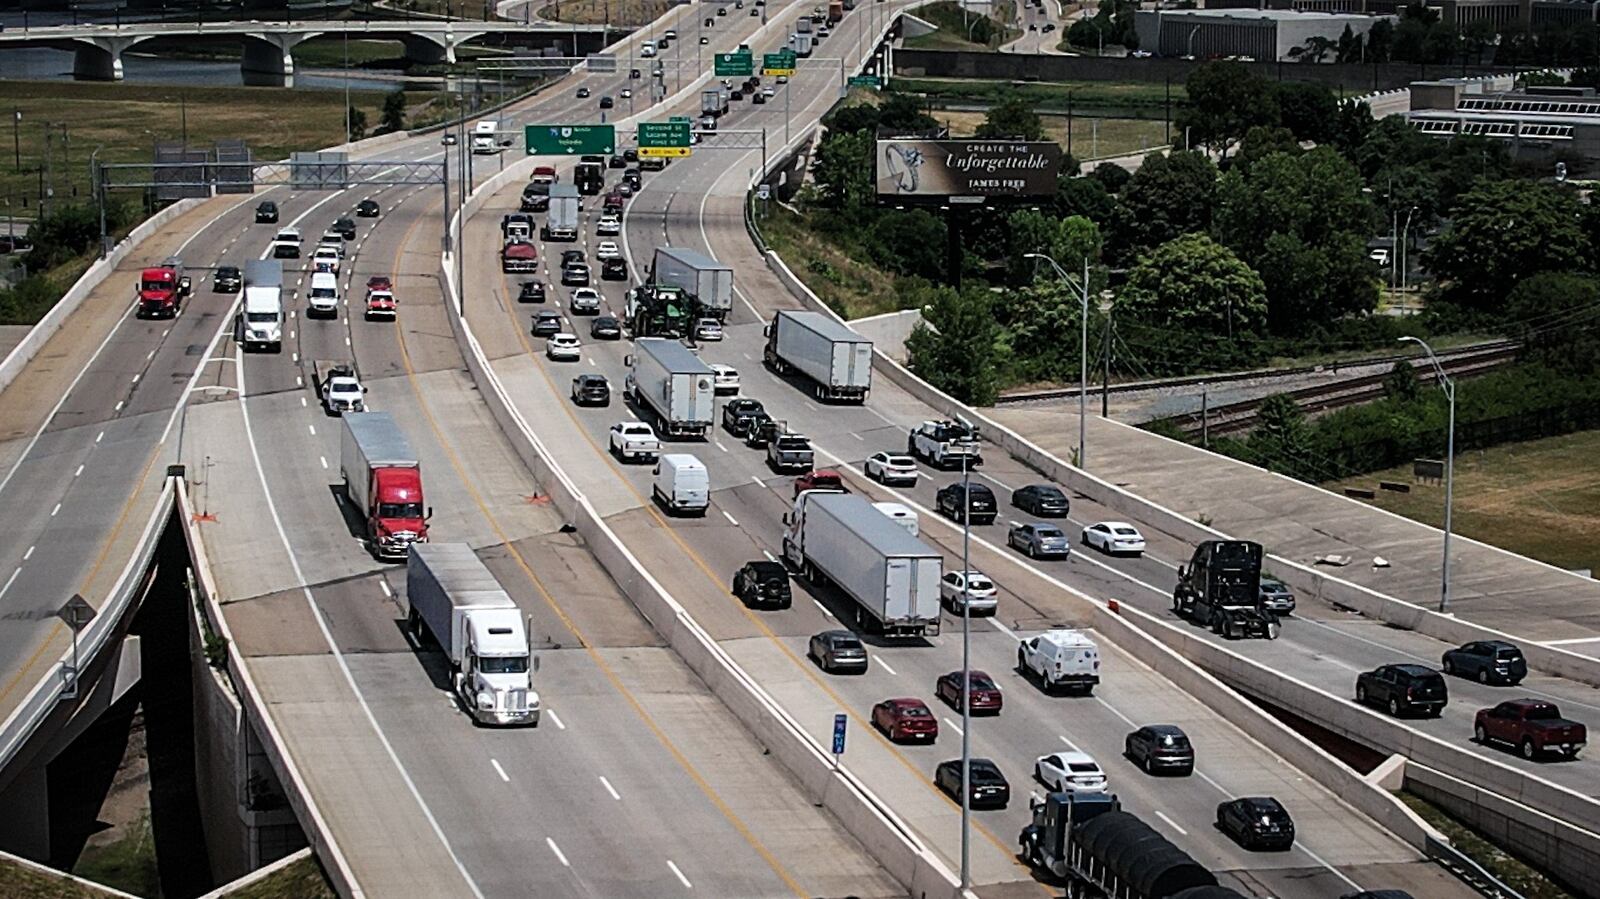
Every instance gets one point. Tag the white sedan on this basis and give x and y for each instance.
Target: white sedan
(608, 250)
(708, 329)
(562, 347)
(1114, 537)
(724, 378)
(892, 468)
(608, 224)
(1070, 772)
(981, 591)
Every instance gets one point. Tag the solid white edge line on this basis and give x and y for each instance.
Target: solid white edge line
(333, 646)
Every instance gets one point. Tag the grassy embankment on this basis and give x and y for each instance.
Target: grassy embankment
(1510, 871)
(599, 12)
(1540, 499)
(960, 29)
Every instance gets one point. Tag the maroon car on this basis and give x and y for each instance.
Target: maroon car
(905, 719)
(985, 692)
(821, 479)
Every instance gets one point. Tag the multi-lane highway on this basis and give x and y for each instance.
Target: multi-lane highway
(696, 203)
(1033, 19)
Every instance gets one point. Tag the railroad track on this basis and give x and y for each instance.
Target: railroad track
(1058, 393)
(1232, 418)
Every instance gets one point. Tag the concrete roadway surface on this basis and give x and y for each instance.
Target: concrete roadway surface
(445, 808)
(1295, 520)
(1038, 40)
(696, 558)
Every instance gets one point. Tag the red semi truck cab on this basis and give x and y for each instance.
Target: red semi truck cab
(161, 290)
(519, 256)
(383, 479)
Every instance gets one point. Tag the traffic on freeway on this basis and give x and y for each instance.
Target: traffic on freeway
(355, 490)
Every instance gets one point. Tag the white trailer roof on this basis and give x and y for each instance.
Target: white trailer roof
(885, 534)
(828, 327)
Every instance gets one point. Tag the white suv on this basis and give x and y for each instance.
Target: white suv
(980, 591)
(1061, 658)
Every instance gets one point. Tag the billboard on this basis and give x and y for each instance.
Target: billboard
(915, 170)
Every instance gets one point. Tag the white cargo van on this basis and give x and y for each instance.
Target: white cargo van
(901, 514)
(682, 486)
(324, 296)
(1061, 658)
(485, 138)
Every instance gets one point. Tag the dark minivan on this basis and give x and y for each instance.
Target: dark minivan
(763, 584)
(1487, 662)
(1403, 688)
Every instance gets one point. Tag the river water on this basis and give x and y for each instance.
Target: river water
(44, 64)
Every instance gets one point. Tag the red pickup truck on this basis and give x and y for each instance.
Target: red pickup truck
(1531, 725)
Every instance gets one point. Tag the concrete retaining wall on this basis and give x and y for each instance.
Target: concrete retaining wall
(1539, 839)
(315, 827)
(218, 718)
(23, 352)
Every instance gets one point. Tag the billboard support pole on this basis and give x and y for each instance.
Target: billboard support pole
(953, 249)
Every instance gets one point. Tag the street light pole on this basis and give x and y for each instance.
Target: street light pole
(966, 670)
(1083, 351)
(1449, 388)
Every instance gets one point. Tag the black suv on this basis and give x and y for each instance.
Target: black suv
(739, 414)
(591, 390)
(1403, 688)
(763, 584)
(345, 228)
(1487, 661)
(367, 209)
(531, 292)
(1259, 822)
(535, 198)
(632, 178)
(952, 503)
(1160, 747)
(614, 269)
(266, 212)
(1043, 500)
(226, 279)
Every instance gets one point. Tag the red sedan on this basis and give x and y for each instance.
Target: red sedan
(379, 282)
(985, 693)
(905, 719)
(821, 479)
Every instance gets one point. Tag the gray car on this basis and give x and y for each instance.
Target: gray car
(1039, 541)
(838, 651)
(1276, 596)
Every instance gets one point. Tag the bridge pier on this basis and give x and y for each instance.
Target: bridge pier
(428, 50)
(99, 58)
(267, 60)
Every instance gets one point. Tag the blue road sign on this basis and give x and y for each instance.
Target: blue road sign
(839, 722)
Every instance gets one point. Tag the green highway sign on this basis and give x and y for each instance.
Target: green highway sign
(570, 140)
(680, 118)
(865, 81)
(663, 135)
(733, 64)
(780, 63)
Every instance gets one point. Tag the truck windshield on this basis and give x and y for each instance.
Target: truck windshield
(400, 510)
(261, 316)
(504, 665)
(155, 285)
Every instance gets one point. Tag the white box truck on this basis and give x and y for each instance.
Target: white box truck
(892, 577)
(707, 282)
(383, 480)
(836, 360)
(672, 385)
(484, 139)
(562, 221)
(451, 596)
(682, 485)
(714, 101)
(802, 44)
(261, 322)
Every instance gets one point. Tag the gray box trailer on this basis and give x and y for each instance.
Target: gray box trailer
(673, 386)
(893, 577)
(708, 283)
(836, 360)
(562, 221)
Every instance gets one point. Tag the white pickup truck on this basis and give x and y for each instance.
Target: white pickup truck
(635, 440)
(339, 388)
(945, 444)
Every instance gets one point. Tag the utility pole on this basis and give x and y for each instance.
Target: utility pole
(1105, 371)
(16, 138)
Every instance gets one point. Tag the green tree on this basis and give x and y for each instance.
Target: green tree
(1309, 111)
(1012, 117)
(953, 347)
(1042, 329)
(1111, 176)
(903, 112)
(1281, 438)
(394, 113)
(844, 170)
(1554, 315)
(1195, 284)
(1170, 195)
(912, 242)
(358, 122)
(1301, 221)
(1086, 197)
(1401, 383)
(1068, 241)
(1379, 38)
(1260, 142)
(1226, 99)
(1502, 232)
